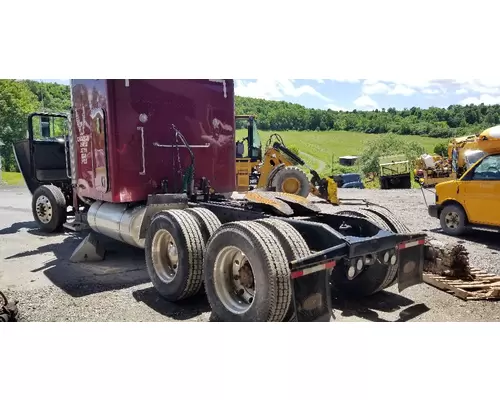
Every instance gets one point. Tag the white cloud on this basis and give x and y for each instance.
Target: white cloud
(431, 91)
(320, 81)
(365, 102)
(345, 80)
(436, 86)
(486, 99)
(482, 86)
(274, 89)
(402, 90)
(373, 87)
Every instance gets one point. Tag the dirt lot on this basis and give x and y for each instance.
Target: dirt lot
(35, 269)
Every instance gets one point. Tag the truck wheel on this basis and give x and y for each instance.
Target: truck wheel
(174, 254)
(453, 220)
(208, 224)
(49, 208)
(393, 222)
(246, 274)
(396, 226)
(206, 219)
(375, 277)
(293, 244)
(292, 180)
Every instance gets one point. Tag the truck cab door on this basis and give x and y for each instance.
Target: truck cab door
(480, 188)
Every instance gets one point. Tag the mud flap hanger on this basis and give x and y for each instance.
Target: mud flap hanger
(310, 284)
(310, 276)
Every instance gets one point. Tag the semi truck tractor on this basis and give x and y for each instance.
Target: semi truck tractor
(152, 163)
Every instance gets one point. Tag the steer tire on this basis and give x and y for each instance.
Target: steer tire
(458, 227)
(181, 228)
(293, 244)
(287, 173)
(269, 268)
(49, 201)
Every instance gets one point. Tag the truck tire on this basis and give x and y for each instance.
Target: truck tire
(394, 223)
(374, 278)
(206, 219)
(174, 248)
(208, 224)
(293, 244)
(292, 180)
(360, 213)
(246, 274)
(453, 220)
(48, 206)
(396, 226)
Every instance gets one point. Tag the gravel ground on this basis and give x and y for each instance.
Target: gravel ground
(35, 270)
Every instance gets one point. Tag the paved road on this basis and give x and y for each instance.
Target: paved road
(35, 269)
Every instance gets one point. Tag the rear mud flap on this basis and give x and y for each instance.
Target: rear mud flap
(311, 294)
(411, 264)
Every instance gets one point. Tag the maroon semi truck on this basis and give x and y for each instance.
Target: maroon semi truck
(151, 163)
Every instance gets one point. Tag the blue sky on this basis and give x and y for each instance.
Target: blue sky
(368, 94)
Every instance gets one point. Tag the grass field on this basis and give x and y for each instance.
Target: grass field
(325, 145)
(319, 149)
(11, 178)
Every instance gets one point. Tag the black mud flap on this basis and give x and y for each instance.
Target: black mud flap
(311, 293)
(411, 263)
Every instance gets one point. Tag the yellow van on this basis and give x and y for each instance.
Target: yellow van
(472, 200)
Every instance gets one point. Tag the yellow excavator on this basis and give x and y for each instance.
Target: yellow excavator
(277, 169)
(465, 151)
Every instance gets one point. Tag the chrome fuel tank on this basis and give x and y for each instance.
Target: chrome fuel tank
(117, 221)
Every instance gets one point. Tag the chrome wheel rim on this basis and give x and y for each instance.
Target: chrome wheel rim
(234, 280)
(165, 256)
(43, 209)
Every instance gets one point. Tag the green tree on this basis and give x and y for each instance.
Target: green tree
(441, 149)
(389, 144)
(16, 102)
